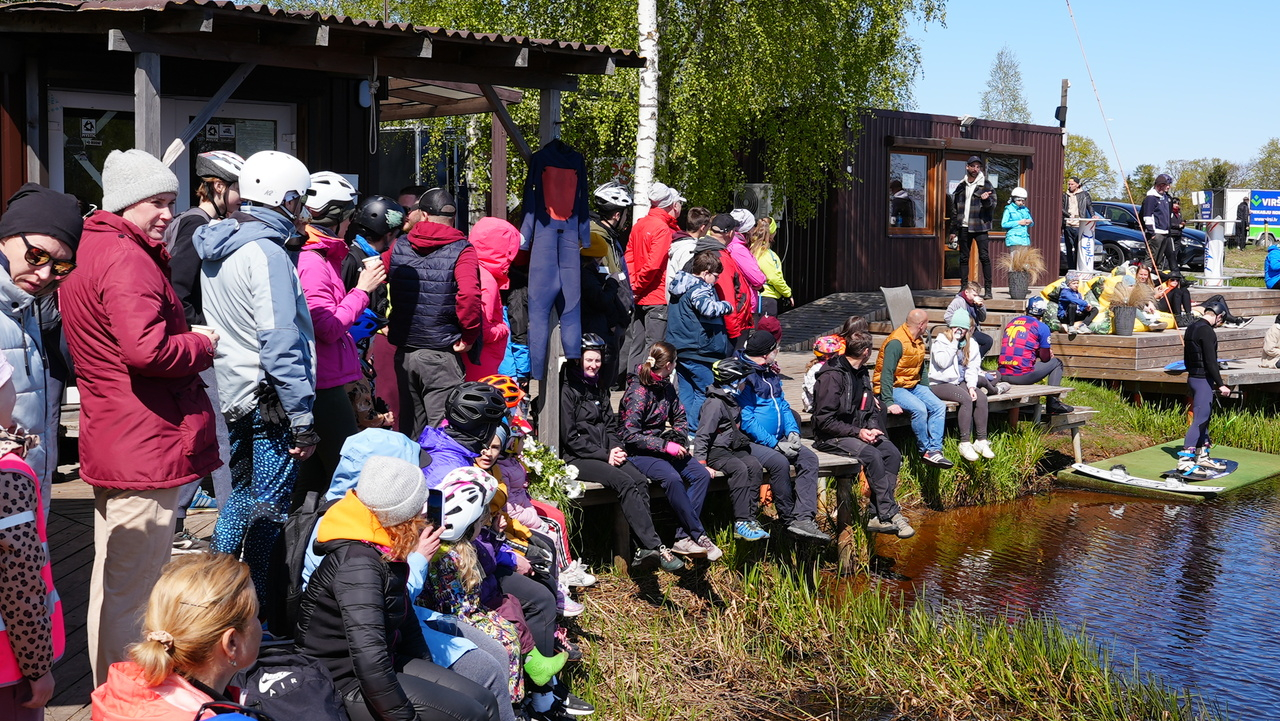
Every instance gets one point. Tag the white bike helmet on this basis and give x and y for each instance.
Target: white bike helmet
(272, 178)
(1019, 192)
(333, 198)
(221, 164)
(467, 492)
(614, 194)
(1036, 306)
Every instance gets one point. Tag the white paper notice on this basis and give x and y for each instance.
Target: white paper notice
(995, 180)
(952, 185)
(908, 181)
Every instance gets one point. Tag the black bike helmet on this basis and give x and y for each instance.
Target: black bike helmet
(730, 370)
(1216, 307)
(379, 215)
(591, 341)
(475, 409)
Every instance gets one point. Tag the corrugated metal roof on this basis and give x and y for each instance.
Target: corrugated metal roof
(627, 58)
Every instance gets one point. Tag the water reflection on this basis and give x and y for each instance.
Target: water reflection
(1190, 588)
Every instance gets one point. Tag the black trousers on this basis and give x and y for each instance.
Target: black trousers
(1177, 301)
(983, 340)
(1074, 315)
(437, 694)
(966, 239)
(881, 461)
(1071, 237)
(745, 475)
(632, 488)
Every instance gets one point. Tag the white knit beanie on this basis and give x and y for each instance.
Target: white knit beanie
(393, 489)
(132, 176)
(746, 221)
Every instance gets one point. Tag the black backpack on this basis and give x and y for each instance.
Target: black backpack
(287, 685)
(288, 556)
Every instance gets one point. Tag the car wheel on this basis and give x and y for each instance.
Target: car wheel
(1115, 256)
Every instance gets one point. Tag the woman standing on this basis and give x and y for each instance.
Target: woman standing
(146, 424)
(775, 289)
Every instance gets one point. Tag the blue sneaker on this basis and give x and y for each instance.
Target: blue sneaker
(202, 500)
(749, 531)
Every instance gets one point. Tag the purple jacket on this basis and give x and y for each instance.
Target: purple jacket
(333, 309)
(491, 552)
(748, 266)
(446, 455)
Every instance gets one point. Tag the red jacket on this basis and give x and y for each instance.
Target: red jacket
(145, 419)
(733, 287)
(647, 256)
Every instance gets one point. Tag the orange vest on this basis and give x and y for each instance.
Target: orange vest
(10, 673)
(909, 366)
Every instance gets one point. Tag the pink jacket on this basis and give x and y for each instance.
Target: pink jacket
(496, 242)
(519, 504)
(127, 697)
(333, 309)
(748, 266)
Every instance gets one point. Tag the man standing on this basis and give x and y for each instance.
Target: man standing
(1242, 223)
(902, 376)
(1025, 355)
(1156, 212)
(973, 200)
(435, 311)
(646, 259)
(266, 357)
(1077, 203)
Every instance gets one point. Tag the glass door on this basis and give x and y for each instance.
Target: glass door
(954, 172)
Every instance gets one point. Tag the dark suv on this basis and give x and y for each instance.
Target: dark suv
(1120, 246)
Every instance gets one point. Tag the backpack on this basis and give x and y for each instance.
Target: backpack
(288, 685)
(288, 556)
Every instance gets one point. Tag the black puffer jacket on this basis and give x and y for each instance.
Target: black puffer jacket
(1200, 352)
(588, 426)
(844, 401)
(718, 424)
(356, 618)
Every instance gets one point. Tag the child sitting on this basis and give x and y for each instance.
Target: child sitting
(721, 444)
(696, 328)
(1074, 311)
(1271, 346)
(824, 349)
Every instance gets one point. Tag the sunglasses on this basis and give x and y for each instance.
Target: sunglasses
(37, 257)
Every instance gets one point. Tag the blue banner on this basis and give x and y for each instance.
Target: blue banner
(1264, 207)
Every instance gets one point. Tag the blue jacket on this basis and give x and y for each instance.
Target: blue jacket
(253, 297)
(1271, 270)
(1016, 234)
(695, 319)
(446, 455)
(1155, 212)
(766, 416)
(445, 643)
(1067, 296)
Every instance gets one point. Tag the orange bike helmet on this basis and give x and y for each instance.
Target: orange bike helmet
(507, 386)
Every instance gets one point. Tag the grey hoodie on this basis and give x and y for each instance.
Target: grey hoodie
(253, 297)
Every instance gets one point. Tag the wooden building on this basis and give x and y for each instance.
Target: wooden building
(79, 79)
(862, 239)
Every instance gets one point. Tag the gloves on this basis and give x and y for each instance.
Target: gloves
(305, 438)
(793, 437)
(789, 449)
(269, 405)
(674, 449)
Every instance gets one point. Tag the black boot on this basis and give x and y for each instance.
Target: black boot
(987, 295)
(1055, 407)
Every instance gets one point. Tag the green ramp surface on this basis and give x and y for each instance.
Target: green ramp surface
(1151, 462)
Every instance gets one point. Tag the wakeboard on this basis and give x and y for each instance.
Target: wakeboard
(1230, 467)
(1119, 474)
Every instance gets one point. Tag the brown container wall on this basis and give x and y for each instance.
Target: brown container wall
(849, 246)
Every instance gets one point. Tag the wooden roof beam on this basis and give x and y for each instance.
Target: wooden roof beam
(418, 47)
(513, 131)
(186, 22)
(412, 112)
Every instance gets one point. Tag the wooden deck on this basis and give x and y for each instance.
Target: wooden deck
(71, 543)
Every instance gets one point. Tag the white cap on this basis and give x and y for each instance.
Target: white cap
(1018, 192)
(663, 195)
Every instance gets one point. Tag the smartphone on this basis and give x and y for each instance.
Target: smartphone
(435, 507)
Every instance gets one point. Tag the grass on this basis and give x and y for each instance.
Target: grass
(1250, 258)
(759, 639)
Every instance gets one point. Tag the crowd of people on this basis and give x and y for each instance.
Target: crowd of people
(347, 378)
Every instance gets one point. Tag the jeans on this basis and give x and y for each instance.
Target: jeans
(695, 376)
(262, 477)
(928, 415)
(686, 482)
(555, 280)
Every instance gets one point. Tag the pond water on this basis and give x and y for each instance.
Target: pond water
(1193, 590)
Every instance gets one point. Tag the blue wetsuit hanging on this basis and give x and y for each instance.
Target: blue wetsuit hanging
(556, 227)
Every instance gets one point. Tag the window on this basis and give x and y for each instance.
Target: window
(1005, 173)
(908, 178)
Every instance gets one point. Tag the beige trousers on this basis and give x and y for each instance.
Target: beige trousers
(132, 540)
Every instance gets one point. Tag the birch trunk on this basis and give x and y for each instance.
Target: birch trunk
(647, 132)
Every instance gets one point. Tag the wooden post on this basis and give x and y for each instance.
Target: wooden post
(498, 168)
(37, 127)
(548, 116)
(146, 102)
(621, 540)
(845, 531)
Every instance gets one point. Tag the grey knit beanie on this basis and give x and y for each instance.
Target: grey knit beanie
(393, 489)
(134, 175)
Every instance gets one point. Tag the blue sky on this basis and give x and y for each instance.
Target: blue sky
(1178, 79)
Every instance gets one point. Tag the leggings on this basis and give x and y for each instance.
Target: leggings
(335, 423)
(437, 694)
(538, 604)
(632, 487)
(971, 410)
(1074, 314)
(555, 280)
(880, 461)
(262, 478)
(1201, 410)
(686, 482)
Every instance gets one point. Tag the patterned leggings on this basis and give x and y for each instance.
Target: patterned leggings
(262, 478)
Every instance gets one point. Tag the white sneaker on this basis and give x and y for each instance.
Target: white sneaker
(984, 447)
(576, 575)
(1002, 388)
(968, 452)
(688, 547)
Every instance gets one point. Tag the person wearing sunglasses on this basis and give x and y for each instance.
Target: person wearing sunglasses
(146, 424)
(200, 628)
(39, 233)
